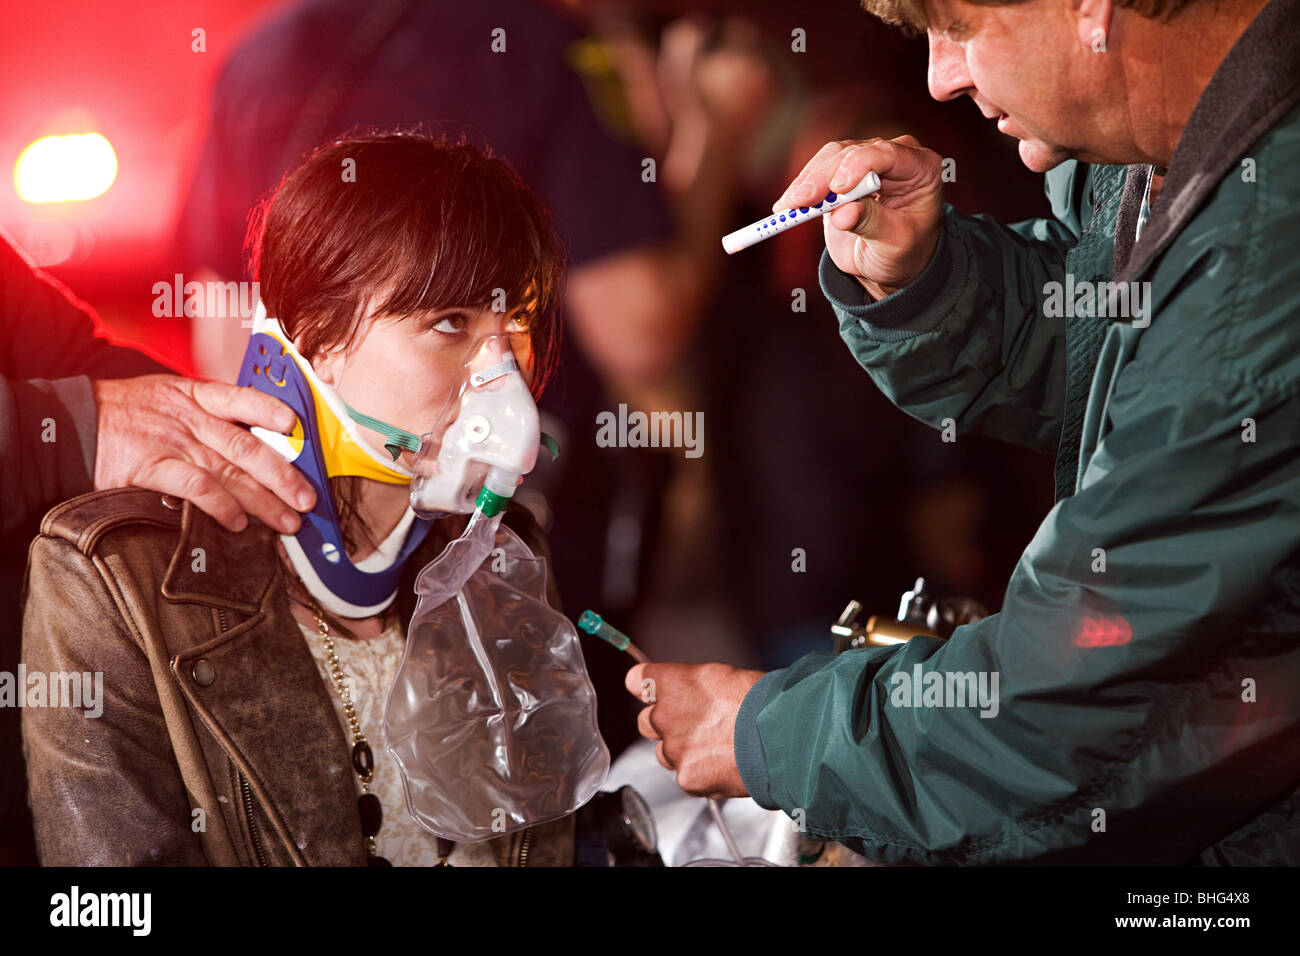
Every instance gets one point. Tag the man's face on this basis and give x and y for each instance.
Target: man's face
(1024, 65)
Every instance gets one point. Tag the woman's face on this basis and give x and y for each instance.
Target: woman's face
(404, 369)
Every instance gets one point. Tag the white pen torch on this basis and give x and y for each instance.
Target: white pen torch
(783, 220)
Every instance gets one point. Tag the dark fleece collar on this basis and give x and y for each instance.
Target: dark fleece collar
(1257, 84)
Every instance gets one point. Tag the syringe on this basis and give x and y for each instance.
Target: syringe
(781, 221)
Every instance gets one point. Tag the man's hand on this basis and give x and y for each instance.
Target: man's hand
(692, 714)
(174, 435)
(886, 239)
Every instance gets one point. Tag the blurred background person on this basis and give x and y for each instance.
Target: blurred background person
(795, 506)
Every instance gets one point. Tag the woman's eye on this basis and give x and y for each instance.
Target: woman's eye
(520, 322)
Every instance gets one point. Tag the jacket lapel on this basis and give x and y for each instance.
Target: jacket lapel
(264, 702)
(259, 693)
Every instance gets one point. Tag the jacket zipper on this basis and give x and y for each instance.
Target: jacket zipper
(524, 845)
(245, 791)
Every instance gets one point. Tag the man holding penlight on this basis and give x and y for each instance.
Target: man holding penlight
(1147, 647)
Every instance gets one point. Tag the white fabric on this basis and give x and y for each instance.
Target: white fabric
(371, 668)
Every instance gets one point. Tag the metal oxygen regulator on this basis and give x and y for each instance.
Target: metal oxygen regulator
(919, 612)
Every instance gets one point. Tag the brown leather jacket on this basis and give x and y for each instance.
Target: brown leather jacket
(143, 590)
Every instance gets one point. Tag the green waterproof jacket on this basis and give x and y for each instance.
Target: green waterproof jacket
(1142, 679)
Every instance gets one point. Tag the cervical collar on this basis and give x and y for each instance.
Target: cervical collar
(325, 444)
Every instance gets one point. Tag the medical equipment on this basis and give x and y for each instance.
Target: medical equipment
(617, 828)
(919, 613)
(779, 222)
(486, 437)
(594, 624)
(492, 718)
(326, 443)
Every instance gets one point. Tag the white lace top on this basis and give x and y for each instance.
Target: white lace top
(371, 668)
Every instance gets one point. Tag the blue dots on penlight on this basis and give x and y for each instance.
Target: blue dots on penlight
(780, 220)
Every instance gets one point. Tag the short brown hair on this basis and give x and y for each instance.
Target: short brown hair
(426, 223)
(911, 15)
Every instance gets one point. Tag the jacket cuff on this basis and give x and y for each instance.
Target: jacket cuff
(917, 307)
(749, 749)
(70, 404)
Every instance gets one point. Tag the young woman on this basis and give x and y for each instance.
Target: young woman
(233, 700)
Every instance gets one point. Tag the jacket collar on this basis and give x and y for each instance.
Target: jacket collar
(221, 569)
(267, 707)
(1256, 85)
(267, 690)
(217, 568)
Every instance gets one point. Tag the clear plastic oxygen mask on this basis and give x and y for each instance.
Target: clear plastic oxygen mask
(486, 437)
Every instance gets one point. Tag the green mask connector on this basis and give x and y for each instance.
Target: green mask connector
(490, 503)
(594, 624)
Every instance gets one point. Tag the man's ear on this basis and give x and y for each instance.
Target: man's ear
(1092, 19)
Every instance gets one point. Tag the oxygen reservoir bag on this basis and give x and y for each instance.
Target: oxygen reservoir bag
(492, 717)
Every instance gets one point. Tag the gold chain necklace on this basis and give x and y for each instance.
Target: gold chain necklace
(363, 758)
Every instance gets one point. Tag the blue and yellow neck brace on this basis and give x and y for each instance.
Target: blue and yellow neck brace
(326, 443)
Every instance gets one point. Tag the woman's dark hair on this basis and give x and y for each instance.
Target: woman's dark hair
(397, 224)
(401, 223)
